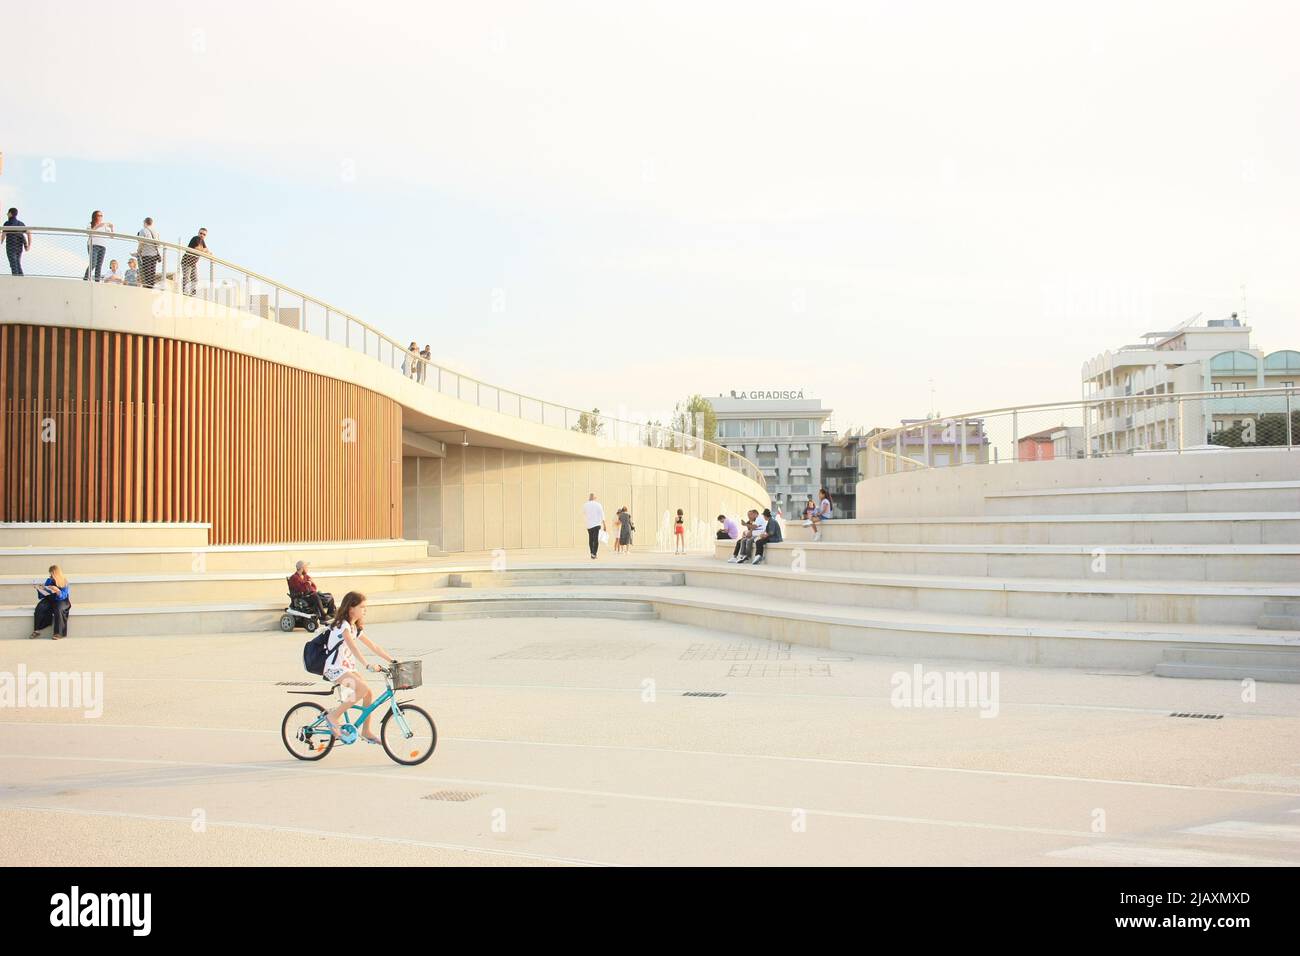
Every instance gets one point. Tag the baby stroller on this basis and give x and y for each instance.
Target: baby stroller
(303, 611)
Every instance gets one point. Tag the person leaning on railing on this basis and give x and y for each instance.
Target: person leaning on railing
(148, 253)
(97, 245)
(190, 263)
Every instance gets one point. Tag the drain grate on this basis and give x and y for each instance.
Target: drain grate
(294, 683)
(452, 796)
(704, 693)
(1201, 716)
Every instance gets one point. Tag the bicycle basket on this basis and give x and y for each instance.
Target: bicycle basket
(407, 676)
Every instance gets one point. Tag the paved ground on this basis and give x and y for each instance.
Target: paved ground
(573, 744)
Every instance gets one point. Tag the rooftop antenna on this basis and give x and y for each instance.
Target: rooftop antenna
(933, 413)
(1243, 305)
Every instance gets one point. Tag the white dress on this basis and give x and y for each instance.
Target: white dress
(338, 659)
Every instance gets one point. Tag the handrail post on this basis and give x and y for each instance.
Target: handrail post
(1015, 433)
(1289, 437)
(1181, 423)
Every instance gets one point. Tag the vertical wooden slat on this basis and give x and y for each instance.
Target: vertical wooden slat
(150, 368)
(6, 437)
(38, 413)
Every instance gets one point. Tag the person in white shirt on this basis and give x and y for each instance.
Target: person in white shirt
(113, 275)
(593, 513)
(148, 253)
(744, 549)
(96, 244)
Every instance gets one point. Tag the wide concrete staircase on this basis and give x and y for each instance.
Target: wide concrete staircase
(1140, 578)
(166, 579)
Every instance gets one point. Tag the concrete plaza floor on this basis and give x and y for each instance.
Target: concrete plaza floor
(569, 741)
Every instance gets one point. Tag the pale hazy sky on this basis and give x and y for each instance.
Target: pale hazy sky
(848, 198)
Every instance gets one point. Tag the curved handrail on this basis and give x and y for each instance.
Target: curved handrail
(411, 365)
(880, 460)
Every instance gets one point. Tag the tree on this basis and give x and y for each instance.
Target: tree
(589, 423)
(696, 417)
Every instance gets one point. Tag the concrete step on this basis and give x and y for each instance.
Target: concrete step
(1267, 673)
(1157, 602)
(1112, 562)
(908, 635)
(1280, 616)
(121, 619)
(1109, 529)
(78, 534)
(83, 559)
(1286, 657)
(226, 586)
(560, 577)
(527, 605)
(913, 635)
(1201, 497)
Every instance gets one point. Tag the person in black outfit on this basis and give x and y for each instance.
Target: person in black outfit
(16, 243)
(770, 535)
(190, 263)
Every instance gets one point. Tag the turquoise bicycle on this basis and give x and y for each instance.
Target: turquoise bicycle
(407, 733)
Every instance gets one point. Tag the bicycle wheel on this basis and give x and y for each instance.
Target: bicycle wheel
(304, 733)
(416, 748)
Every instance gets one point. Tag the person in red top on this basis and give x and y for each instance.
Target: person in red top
(300, 583)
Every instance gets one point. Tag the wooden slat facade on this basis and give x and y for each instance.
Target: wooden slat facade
(111, 426)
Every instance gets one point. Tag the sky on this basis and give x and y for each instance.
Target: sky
(620, 204)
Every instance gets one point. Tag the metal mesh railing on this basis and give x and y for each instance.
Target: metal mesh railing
(1131, 425)
(198, 277)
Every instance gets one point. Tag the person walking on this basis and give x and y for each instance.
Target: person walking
(593, 513)
(679, 532)
(190, 263)
(625, 528)
(16, 243)
(53, 603)
(97, 244)
(148, 253)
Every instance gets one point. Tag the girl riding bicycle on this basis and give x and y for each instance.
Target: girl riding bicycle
(342, 655)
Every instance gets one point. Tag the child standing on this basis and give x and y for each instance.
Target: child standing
(679, 532)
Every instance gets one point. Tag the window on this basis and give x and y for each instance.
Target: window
(1238, 386)
(1283, 361)
(803, 427)
(1234, 362)
(1217, 426)
(1218, 386)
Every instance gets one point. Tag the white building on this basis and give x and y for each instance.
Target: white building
(1196, 357)
(783, 433)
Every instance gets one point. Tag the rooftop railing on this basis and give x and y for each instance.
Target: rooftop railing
(162, 266)
(1093, 428)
